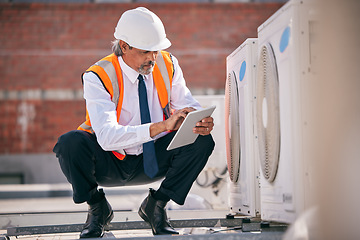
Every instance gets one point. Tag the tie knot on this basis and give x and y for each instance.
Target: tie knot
(141, 78)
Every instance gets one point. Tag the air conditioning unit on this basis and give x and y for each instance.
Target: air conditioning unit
(284, 78)
(243, 165)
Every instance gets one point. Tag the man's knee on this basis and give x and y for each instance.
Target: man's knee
(70, 141)
(206, 142)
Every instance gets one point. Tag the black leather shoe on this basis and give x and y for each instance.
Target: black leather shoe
(153, 211)
(99, 216)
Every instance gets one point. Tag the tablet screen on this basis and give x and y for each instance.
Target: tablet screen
(184, 134)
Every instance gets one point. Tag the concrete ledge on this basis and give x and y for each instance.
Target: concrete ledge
(16, 191)
(78, 216)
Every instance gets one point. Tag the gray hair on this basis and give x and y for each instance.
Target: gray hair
(116, 48)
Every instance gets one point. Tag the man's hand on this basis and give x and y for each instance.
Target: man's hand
(174, 122)
(204, 127)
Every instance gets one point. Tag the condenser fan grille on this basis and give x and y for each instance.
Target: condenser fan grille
(232, 126)
(268, 117)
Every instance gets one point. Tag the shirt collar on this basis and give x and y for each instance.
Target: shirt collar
(130, 73)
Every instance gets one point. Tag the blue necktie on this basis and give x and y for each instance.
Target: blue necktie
(150, 163)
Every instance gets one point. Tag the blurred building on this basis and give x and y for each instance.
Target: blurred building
(45, 48)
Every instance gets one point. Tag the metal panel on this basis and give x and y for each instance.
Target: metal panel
(49, 229)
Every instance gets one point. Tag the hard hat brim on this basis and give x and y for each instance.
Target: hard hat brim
(164, 44)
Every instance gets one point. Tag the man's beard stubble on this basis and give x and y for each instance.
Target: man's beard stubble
(149, 70)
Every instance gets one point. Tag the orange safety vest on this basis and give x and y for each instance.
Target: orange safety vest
(109, 72)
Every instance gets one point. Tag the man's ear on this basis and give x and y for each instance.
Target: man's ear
(123, 45)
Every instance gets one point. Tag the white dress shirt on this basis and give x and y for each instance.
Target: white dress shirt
(128, 134)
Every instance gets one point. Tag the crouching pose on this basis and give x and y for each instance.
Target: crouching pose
(135, 99)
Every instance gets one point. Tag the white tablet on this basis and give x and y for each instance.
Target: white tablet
(184, 134)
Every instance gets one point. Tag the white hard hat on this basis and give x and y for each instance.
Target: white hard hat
(142, 29)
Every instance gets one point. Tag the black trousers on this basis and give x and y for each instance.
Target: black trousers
(86, 165)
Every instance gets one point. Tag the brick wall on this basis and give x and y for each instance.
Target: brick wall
(44, 48)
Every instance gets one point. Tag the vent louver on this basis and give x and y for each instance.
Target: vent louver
(268, 115)
(232, 126)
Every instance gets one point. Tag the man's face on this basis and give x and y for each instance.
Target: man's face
(141, 61)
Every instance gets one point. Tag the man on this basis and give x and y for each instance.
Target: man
(130, 95)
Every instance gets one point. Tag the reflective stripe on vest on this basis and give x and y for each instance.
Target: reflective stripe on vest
(109, 72)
